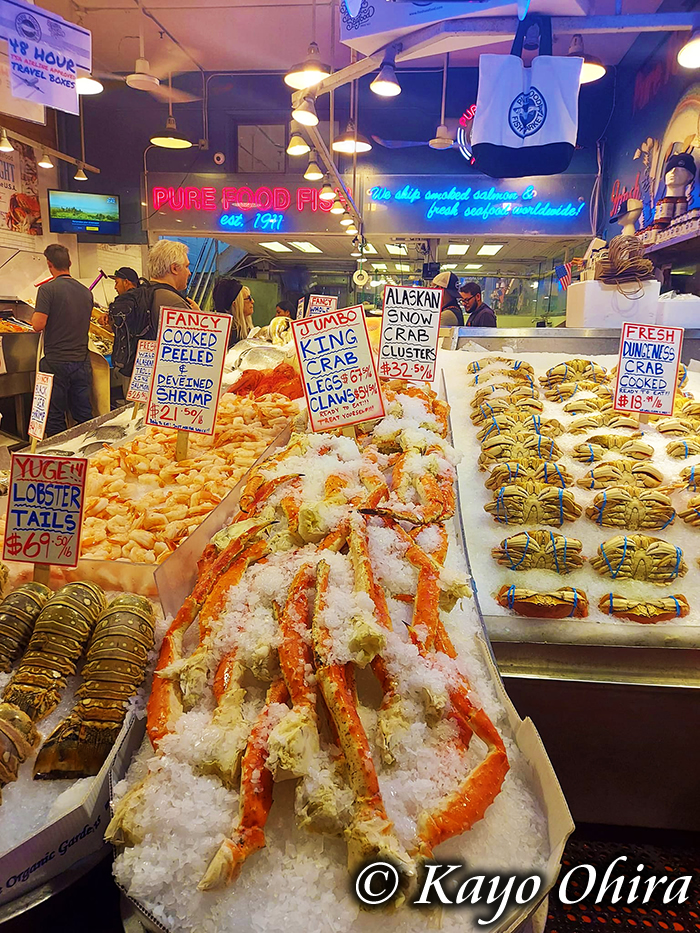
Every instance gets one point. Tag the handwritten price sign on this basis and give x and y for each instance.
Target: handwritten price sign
(189, 363)
(45, 509)
(338, 371)
(40, 405)
(647, 370)
(321, 304)
(410, 333)
(142, 374)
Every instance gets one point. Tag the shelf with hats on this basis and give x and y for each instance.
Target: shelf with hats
(674, 223)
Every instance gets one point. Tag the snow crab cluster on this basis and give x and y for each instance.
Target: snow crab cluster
(334, 570)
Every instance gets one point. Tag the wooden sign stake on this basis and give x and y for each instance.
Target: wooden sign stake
(181, 445)
(349, 431)
(135, 412)
(33, 445)
(42, 573)
(644, 419)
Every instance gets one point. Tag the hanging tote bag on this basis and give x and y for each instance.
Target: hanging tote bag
(526, 118)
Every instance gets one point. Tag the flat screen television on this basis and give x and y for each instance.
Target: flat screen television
(80, 212)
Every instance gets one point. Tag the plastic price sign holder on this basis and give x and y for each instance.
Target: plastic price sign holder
(300, 309)
(43, 386)
(410, 333)
(338, 371)
(647, 369)
(142, 374)
(45, 506)
(187, 373)
(321, 304)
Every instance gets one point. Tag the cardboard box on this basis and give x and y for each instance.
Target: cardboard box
(75, 835)
(595, 304)
(679, 312)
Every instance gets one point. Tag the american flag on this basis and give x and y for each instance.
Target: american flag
(563, 273)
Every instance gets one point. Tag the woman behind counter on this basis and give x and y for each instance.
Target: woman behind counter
(234, 298)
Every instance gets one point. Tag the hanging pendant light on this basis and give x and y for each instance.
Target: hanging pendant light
(80, 174)
(386, 83)
(170, 138)
(305, 112)
(346, 220)
(297, 145)
(309, 72)
(689, 54)
(45, 160)
(337, 207)
(442, 139)
(327, 192)
(87, 85)
(593, 68)
(351, 229)
(313, 169)
(351, 141)
(5, 144)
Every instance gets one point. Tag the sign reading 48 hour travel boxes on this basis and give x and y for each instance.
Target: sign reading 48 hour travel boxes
(410, 333)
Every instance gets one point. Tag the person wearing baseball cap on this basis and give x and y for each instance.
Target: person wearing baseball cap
(125, 279)
(451, 314)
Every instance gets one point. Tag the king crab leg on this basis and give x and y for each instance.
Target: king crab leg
(255, 800)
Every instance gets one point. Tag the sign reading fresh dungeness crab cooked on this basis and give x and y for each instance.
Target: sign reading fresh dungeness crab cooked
(647, 369)
(338, 371)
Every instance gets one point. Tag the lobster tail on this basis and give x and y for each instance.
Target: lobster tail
(75, 749)
(18, 613)
(18, 738)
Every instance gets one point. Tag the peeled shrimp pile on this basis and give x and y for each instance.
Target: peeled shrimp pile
(333, 706)
(141, 503)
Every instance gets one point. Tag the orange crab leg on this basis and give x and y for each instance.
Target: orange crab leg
(295, 654)
(255, 800)
(249, 503)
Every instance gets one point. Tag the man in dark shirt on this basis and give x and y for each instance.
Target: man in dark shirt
(63, 310)
(480, 315)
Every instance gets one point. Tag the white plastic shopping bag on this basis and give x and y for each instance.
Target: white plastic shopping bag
(526, 118)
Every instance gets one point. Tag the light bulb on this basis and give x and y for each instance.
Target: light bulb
(351, 141)
(386, 83)
(346, 220)
(80, 174)
(45, 160)
(86, 85)
(337, 207)
(305, 113)
(309, 72)
(689, 54)
(327, 193)
(5, 144)
(313, 170)
(297, 145)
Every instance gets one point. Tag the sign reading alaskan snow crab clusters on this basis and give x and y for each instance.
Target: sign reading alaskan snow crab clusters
(339, 375)
(410, 333)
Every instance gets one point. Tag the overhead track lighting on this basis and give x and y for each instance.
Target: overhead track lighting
(87, 85)
(351, 141)
(45, 160)
(297, 145)
(305, 112)
(309, 72)
(351, 229)
(386, 83)
(346, 220)
(5, 144)
(337, 207)
(80, 174)
(593, 68)
(170, 138)
(313, 169)
(689, 54)
(327, 192)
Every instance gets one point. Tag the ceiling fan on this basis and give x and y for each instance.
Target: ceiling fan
(142, 78)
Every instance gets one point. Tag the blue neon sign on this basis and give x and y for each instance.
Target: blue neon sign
(553, 205)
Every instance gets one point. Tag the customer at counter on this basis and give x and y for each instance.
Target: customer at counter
(480, 315)
(62, 312)
(168, 273)
(234, 298)
(451, 314)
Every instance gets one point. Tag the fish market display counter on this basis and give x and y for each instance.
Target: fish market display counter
(612, 696)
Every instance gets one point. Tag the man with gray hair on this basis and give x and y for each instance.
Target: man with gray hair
(168, 272)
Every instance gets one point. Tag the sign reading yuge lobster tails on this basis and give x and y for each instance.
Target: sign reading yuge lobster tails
(45, 509)
(410, 333)
(647, 369)
(140, 385)
(43, 386)
(338, 372)
(189, 362)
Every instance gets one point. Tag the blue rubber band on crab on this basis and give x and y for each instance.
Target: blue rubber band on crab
(678, 607)
(673, 515)
(685, 444)
(610, 612)
(614, 573)
(561, 507)
(679, 557)
(554, 549)
(591, 459)
(573, 608)
(510, 596)
(500, 502)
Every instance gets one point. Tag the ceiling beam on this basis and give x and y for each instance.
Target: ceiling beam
(418, 44)
(56, 153)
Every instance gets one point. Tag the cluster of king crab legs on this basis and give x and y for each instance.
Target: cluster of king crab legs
(311, 692)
